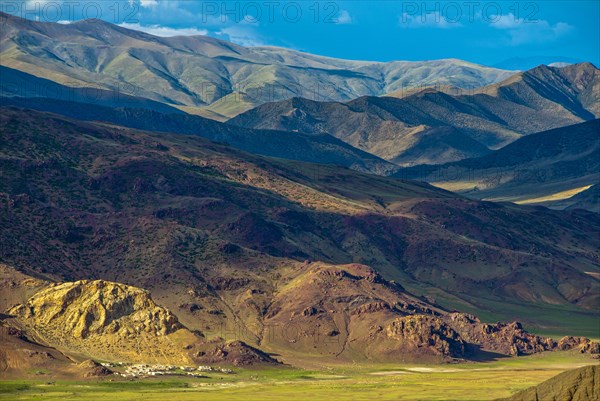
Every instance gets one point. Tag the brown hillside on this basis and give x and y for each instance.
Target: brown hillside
(216, 234)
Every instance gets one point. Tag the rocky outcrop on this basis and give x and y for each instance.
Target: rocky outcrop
(503, 338)
(104, 320)
(429, 333)
(512, 338)
(351, 310)
(120, 323)
(91, 308)
(585, 345)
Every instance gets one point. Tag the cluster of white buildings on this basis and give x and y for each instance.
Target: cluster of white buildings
(162, 370)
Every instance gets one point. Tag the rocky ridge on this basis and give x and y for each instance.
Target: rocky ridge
(117, 322)
(351, 310)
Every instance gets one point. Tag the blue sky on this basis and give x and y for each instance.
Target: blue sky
(486, 32)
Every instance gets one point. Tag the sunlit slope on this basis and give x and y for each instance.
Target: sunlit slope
(544, 168)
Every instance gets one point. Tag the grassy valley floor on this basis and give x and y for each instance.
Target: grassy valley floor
(465, 381)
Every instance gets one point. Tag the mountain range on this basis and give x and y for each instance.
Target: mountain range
(527, 63)
(208, 76)
(432, 127)
(239, 205)
(443, 115)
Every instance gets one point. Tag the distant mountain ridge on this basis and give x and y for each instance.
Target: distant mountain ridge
(527, 63)
(15, 83)
(432, 127)
(390, 128)
(323, 149)
(207, 75)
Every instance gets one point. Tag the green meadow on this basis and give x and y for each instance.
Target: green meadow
(452, 382)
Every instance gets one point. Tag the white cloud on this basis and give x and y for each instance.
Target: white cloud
(148, 3)
(428, 20)
(171, 12)
(343, 18)
(523, 31)
(240, 35)
(164, 31)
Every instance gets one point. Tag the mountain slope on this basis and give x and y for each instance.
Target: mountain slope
(397, 130)
(434, 127)
(538, 168)
(574, 385)
(14, 83)
(588, 199)
(323, 148)
(570, 91)
(207, 75)
(20, 357)
(107, 321)
(216, 234)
